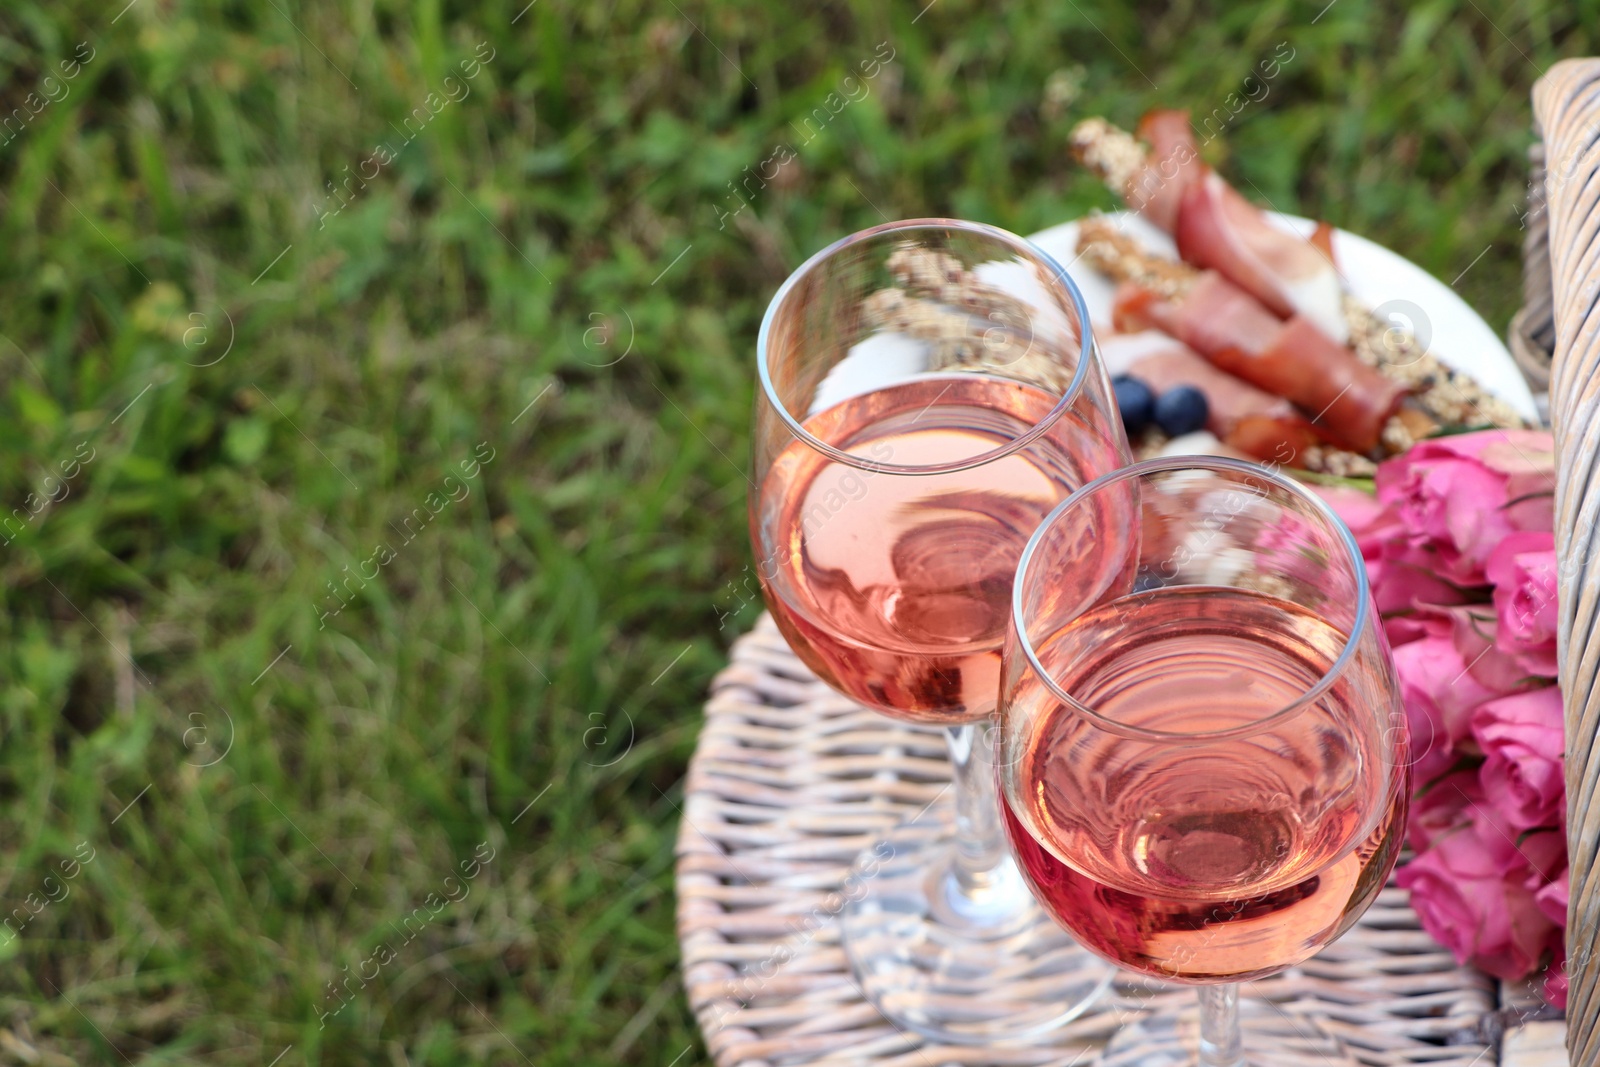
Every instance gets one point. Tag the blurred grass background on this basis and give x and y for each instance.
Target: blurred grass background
(360, 532)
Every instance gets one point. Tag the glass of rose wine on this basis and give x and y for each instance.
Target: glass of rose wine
(929, 391)
(1203, 753)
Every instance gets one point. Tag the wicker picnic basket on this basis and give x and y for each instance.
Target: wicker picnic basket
(790, 781)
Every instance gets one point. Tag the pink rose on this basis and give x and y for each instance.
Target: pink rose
(1523, 570)
(1400, 589)
(1401, 627)
(1368, 519)
(1472, 628)
(1458, 497)
(1553, 898)
(1441, 806)
(1522, 741)
(1470, 893)
(1440, 694)
(1555, 983)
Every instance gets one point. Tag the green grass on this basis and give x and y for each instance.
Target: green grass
(544, 274)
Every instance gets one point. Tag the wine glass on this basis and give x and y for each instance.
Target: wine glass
(1203, 758)
(929, 391)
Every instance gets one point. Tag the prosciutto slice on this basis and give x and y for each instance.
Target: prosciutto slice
(1349, 401)
(1157, 189)
(1221, 230)
(1241, 416)
(1217, 229)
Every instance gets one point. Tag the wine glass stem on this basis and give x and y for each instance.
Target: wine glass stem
(1219, 1026)
(980, 845)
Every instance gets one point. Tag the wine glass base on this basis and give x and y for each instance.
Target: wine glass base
(988, 968)
(1271, 1036)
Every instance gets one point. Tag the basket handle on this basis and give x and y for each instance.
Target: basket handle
(1566, 104)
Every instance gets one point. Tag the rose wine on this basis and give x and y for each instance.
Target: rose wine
(895, 588)
(1244, 840)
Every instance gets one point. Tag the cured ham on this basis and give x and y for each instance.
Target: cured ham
(1349, 401)
(1242, 417)
(1219, 229)
(1215, 227)
(1157, 190)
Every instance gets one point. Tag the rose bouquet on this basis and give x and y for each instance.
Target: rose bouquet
(1460, 552)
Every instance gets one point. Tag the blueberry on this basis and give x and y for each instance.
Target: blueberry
(1180, 410)
(1135, 401)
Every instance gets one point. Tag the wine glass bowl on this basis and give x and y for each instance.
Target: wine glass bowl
(1204, 765)
(929, 391)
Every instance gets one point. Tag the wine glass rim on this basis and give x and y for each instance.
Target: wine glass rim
(1210, 463)
(1021, 245)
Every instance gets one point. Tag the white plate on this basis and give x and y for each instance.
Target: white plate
(1400, 291)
